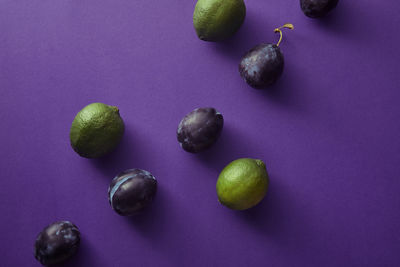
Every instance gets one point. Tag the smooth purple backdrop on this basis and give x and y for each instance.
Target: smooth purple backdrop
(329, 133)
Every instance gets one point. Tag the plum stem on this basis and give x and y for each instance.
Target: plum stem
(287, 26)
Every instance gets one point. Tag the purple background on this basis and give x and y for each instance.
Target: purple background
(328, 132)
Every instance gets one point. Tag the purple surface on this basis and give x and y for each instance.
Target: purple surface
(328, 132)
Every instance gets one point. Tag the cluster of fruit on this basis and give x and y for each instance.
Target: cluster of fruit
(98, 129)
(261, 66)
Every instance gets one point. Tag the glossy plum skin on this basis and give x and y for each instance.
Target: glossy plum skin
(262, 65)
(200, 129)
(131, 191)
(317, 8)
(56, 243)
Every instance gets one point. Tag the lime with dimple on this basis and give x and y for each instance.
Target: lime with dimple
(243, 183)
(96, 130)
(217, 20)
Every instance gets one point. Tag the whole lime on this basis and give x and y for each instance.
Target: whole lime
(242, 184)
(96, 130)
(217, 20)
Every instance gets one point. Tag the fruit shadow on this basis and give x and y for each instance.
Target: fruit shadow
(273, 217)
(337, 20)
(267, 217)
(346, 22)
(288, 90)
(85, 256)
(246, 37)
(230, 146)
(123, 157)
(150, 222)
(153, 223)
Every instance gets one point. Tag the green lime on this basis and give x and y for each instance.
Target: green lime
(96, 130)
(216, 20)
(242, 184)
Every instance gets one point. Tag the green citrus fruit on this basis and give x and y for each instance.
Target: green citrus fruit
(96, 130)
(242, 184)
(216, 20)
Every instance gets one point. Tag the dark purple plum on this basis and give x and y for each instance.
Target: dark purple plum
(317, 8)
(263, 64)
(56, 243)
(200, 129)
(131, 191)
